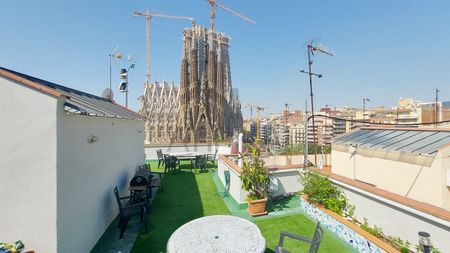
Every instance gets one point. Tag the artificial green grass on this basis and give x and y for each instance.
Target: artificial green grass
(300, 225)
(188, 195)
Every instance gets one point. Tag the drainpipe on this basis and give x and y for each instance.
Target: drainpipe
(240, 147)
(352, 152)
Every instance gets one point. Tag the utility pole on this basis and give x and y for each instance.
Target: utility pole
(436, 108)
(311, 49)
(305, 150)
(364, 109)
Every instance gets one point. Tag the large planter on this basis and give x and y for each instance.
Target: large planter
(257, 207)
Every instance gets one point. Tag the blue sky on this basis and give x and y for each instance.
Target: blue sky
(384, 49)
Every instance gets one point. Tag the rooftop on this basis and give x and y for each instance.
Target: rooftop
(77, 102)
(189, 195)
(416, 141)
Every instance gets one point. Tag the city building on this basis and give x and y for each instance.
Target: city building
(296, 133)
(265, 132)
(322, 132)
(209, 109)
(63, 151)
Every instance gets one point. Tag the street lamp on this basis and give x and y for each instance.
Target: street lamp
(364, 108)
(424, 242)
(123, 87)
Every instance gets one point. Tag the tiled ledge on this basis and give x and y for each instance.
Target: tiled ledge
(324, 216)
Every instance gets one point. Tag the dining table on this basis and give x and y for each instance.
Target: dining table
(217, 233)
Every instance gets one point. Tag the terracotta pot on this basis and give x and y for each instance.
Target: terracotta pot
(257, 207)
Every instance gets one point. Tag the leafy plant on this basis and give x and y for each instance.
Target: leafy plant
(299, 149)
(320, 190)
(254, 176)
(349, 211)
(398, 243)
(433, 249)
(375, 231)
(404, 249)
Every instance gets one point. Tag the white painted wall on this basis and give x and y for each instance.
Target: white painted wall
(88, 172)
(288, 181)
(235, 182)
(282, 160)
(396, 219)
(150, 151)
(418, 182)
(27, 167)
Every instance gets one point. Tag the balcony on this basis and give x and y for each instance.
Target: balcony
(189, 195)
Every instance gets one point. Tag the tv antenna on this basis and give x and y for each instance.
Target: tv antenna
(320, 49)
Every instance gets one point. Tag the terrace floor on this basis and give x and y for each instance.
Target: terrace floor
(189, 195)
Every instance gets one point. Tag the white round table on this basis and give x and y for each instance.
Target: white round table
(217, 233)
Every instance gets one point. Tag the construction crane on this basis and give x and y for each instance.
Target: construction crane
(148, 15)
(258, 110)
(212, 13)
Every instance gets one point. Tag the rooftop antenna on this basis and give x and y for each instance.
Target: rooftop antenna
(148, 15)
(108, 94)
(112, 57)
(212, 13)
(321, 50)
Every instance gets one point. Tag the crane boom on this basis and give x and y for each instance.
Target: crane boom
(236, 13)
(258, 109)
(148, 15)
(212, 14)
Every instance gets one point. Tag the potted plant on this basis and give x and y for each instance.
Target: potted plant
(254, 179)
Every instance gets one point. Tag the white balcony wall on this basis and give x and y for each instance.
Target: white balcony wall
(88, 172)
(27, 167)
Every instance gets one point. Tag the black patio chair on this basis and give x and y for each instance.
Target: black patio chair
(128, 210)
(212, 157)
(155, 182)
(170, 163)
(314, 242)
(140, 195)
(200, 162)
(160, 157)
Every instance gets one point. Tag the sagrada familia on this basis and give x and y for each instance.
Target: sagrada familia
(204, 107)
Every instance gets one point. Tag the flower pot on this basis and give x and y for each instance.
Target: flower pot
(257, 207)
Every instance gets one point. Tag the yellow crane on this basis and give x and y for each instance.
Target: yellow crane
(212, 13)
(258, 109)
(148, 15)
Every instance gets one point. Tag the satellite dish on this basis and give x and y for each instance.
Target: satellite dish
(108, 94)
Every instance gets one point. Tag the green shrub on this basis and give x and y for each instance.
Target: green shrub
(375, 231)
(299, 149)
(254, 176)
(433, 249)
(320, 190)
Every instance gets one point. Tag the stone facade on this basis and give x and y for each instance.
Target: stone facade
(204, 107)
(208, 109)
(160, 107)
